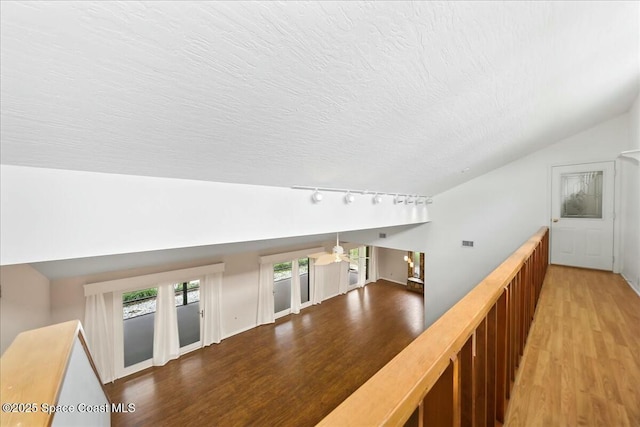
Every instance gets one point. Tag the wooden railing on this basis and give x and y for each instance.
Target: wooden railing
(49, 378)
(461, 369)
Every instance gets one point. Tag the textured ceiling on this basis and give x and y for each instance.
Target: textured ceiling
(386, 96)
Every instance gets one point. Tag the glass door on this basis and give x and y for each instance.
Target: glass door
(187, 295)
(305, 290)
(136, 319)
(282, 288)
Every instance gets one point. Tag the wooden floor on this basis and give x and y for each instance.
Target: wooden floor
(291, 373)
(581, 364)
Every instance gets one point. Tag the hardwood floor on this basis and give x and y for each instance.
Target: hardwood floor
(291, 373)
(581, 364)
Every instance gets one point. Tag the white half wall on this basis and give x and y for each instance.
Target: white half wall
(75, 214)
(24, 304)
(630, 171)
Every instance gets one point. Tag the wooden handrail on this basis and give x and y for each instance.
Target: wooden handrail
(401, 386)
(33, 371)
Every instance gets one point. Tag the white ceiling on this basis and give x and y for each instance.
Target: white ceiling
(385, 96)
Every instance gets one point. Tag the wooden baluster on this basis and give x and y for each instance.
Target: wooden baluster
(491, 366)
(441, 405)
(480, 370)
(467, 383)
(502, 385)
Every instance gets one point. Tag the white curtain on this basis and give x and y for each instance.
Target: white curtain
(265, 295)
(362, 266)
(373, 264)
(211, 304)
(344, 277)
(296, 299)
(317, 281)
(166, 343)
(99, 334)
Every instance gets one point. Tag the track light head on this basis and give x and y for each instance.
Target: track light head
(349, 198)
(317, 196)
(377, 199)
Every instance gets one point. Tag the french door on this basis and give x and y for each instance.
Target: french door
(134, 320)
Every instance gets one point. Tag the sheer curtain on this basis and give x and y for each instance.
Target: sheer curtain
(317, 281)
(265, 295)
(166, 343)
(211, 302)
(296, 300)
(344, 277)
(362, 265)
(99, 333)
(373, 264)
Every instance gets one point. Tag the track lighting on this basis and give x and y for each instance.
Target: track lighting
(398, 199)
(349, 198)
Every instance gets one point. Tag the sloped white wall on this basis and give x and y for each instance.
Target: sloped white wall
(498, 211)
(25, 302)
(74, 214)
(630, 170)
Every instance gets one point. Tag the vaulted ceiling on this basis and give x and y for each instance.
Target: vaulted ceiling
(386, 96)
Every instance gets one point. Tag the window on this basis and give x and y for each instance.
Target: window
(187, 295)
(282, 286)
(303, 270)
(138, 315)
(581, 195)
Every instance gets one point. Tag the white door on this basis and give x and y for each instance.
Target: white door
(582, 215)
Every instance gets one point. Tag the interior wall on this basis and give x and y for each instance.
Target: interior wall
(24, 304)
(98, 214)
(239, 288)
(499, 211)
(392, 266)
(630, 171)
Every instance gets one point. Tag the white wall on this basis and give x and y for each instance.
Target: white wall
(498, 211)
(630, 171)
(392, 266)
(239, 287)
(101, 214)
(24, 304)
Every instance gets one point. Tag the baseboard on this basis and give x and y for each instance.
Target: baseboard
(630, 283)
(239, 331)
(391, 280)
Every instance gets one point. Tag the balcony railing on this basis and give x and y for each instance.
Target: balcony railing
(461, 369)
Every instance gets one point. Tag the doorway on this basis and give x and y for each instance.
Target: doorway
(582, 215)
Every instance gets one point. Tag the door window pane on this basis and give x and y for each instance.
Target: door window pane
(303, 269)
(138, 313)
(188, 310)
(581, 195)
(282, 286)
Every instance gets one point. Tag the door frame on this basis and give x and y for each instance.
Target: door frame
(616, 203)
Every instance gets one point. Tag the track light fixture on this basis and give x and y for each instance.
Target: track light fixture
(398, 199)
(349, 198)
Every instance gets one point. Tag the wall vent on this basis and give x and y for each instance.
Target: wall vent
(467, 243)
(382, 235)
